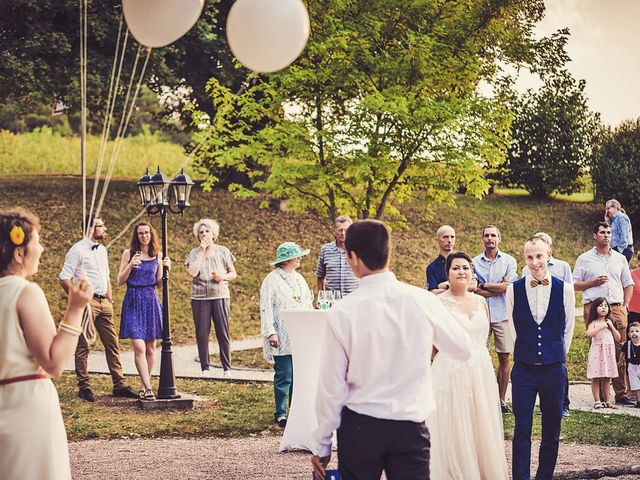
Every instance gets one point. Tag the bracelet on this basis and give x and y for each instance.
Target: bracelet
(69, 329)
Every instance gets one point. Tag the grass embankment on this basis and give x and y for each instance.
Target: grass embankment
(44, 153)
(252, 235)
(232, 410)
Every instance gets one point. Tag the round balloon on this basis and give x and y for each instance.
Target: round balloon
(157, 23)
(267, 35)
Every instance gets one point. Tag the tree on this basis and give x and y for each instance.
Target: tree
(382, 107)
(552, 136)
(39, 59)
(615, 167)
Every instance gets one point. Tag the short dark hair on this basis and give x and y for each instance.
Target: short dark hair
(597, 226)
(26, 222)
(453, 256)
(88, 222)
(371, 242)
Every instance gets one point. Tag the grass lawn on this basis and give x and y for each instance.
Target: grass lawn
(234, 409)
(252, 234)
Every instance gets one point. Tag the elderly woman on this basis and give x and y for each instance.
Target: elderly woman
(283, 288)
(211, 267)
(33, 440)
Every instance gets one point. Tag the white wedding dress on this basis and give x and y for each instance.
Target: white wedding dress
(467, 438)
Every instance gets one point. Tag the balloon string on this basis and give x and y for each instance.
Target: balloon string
(122, 129)
(111, 101)
(83, 107)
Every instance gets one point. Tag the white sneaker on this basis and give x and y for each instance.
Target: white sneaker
(227, 374)
(206, 374)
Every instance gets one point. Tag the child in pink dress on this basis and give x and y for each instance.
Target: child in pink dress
(602, 365)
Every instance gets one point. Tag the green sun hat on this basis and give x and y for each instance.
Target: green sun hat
(288, 251)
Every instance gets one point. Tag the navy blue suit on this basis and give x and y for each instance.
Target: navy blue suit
(539, 369)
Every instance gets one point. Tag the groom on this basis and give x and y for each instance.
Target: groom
(541, 311)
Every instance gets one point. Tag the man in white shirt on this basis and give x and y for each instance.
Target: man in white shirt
(375, 382)
(603, 272)
(90, 256)
(541, 314)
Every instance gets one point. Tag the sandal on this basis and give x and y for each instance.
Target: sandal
(598, 405)
(141, 394)
(610, 405)
(149, 395)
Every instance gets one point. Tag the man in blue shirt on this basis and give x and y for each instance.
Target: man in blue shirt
(621, 232)
(495, 270)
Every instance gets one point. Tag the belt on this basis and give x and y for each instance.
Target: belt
(24, 378)
(99, 297)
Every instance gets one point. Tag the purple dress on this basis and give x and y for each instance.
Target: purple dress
(141, 311)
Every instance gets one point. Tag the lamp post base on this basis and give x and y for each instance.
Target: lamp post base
(183, 402)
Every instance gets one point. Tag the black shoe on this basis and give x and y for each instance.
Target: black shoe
(281, 421)
(505, 409)
(637, 404)
(86, 394)
(625, 401)
(124, 392)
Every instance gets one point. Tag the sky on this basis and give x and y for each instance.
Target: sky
(605, 51)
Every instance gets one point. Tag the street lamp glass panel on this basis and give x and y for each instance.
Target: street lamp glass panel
(160, 185)
(144, 189)
(181, 186)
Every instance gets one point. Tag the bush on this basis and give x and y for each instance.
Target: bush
(615, 168)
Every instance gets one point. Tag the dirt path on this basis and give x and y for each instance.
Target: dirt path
(255, 458)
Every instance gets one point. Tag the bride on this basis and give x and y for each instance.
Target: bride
(467, 439)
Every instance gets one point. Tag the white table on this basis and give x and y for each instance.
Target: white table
(306, 330)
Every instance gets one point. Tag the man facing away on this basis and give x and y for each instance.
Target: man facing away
(90, 256)
(436, 275)
(603, 272)
(375, 381)
(495, 270)
(621, 232)
(333, 272)
(562, 270)
(541, 311)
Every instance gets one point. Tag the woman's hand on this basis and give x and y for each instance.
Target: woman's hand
(273, 340)
(166, 262)
(204, 243)
(136, 260)
(80, 292)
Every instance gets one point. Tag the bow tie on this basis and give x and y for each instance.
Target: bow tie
(535, 283)
(95, 246)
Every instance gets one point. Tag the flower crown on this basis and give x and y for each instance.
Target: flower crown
(17, 235)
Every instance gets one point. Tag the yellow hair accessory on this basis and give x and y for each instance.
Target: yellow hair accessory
(17, 235)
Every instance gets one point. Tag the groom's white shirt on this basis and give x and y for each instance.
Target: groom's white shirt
(377, 358)
(538, 298)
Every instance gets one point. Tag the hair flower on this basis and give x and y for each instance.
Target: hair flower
(17, 235)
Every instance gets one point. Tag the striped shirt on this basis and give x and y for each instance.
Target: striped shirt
(334, 269)
(202, 286)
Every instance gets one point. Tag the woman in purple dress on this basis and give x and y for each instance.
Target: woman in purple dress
(141, 270)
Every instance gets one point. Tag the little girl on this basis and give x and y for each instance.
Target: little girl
(602, 365)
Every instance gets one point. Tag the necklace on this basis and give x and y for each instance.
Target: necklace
(297, 295)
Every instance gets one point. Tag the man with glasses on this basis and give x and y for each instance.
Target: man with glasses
(90, 256)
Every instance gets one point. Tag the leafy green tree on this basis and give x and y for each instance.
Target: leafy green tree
(615, 167)
(552, 137)
(39, 58)
(381, 109)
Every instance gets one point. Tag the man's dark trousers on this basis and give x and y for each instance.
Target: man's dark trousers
(527, 381)
(369, 445)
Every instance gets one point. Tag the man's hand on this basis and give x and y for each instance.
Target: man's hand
(273, 340)
(600, 280)
(319, 466)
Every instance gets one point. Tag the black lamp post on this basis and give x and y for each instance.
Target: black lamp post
(156, 194)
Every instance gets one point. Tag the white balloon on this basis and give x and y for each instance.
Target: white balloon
(157, 23)
(267, 35)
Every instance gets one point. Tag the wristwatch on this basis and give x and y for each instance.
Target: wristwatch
(480, 284)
